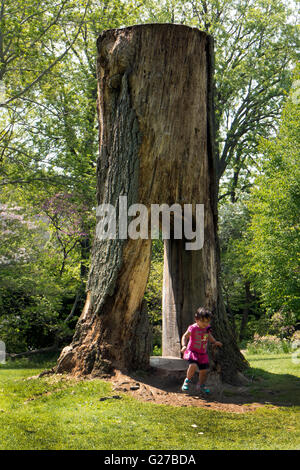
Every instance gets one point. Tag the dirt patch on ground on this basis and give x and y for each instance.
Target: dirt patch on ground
(153, 389)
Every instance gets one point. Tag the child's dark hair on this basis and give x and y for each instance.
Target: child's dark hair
(203, 313)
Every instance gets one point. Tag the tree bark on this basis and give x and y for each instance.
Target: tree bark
(156, 147)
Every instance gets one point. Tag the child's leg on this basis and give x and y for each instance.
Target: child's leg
(202, 376)
(191, 371)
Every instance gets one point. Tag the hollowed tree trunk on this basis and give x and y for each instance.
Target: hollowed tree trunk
(156, 146)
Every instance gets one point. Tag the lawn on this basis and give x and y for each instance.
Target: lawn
(43, 413)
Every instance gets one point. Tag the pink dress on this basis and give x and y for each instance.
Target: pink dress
(197, 347)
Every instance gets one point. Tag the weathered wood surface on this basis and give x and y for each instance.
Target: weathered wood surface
(156, 146)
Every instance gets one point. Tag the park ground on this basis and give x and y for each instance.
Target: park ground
(54, 412)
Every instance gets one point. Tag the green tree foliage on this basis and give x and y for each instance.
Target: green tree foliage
(48, 86)
(239, 297)
(153, 294)
(33, 297)
(30, 50)
(273, 242)
(49, 134)
(48, 148)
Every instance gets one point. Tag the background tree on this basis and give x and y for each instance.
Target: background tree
(153, 293)
(31, 294)
(240, 298)
(48, 126)
(259, 238)
(49, 143)
(255, 51)
(272, 239)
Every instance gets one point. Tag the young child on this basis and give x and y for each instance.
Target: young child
(195, 352)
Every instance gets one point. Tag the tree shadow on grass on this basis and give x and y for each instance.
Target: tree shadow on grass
(266, 388)
(273, 388)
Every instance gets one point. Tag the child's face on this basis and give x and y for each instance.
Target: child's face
(203, 323)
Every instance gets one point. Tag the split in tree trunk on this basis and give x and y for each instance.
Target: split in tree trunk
(156, 120)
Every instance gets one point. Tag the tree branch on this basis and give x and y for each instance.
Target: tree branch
(47, 70)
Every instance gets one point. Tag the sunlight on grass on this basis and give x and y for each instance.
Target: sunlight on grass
(56, 413)
(276, 363)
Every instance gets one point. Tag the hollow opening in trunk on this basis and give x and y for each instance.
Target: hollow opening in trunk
(153, 295)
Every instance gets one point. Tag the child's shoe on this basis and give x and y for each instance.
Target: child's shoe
(202, 388)
(185, 385)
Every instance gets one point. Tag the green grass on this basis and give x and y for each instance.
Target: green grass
(42, 413)
(275, 378)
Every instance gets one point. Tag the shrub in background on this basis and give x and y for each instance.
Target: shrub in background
(268, 344)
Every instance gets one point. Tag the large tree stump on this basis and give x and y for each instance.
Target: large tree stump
(156, 147)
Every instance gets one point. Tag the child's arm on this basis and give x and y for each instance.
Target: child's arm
(185, 340)
(213, 341)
